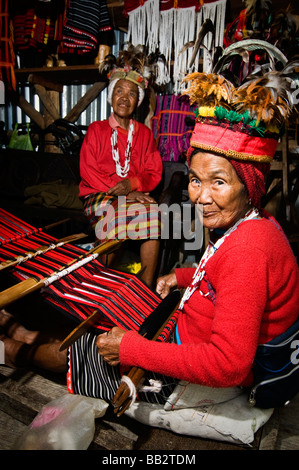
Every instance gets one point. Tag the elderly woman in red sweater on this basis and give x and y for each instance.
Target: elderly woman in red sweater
(245, 290)
(119, 157)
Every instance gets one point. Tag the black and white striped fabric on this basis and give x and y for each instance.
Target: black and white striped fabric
(85, 19)
(89, 375)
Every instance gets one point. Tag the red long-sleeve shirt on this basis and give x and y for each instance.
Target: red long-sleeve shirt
(97, 167)
(256, 282)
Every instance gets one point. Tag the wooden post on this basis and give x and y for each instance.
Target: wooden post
(85, 101)
(31, 111)
(53, 97)
(48, 104)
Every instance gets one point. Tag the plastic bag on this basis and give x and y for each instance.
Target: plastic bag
(20, 141)
(67, 423)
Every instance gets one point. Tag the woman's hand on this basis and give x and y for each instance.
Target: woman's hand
(139, 196)
(122, 188)
(108, 345)
(165, 284)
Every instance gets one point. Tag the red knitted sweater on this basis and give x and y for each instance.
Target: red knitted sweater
(254, 276)
(97, 167)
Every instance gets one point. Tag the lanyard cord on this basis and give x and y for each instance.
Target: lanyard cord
(210, 250)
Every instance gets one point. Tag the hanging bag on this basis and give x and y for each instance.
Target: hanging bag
(20, 141)
(276, 370)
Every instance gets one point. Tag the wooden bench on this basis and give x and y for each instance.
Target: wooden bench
(23, 393)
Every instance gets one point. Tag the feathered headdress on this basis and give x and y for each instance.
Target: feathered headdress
(242, 122)
(135, 65)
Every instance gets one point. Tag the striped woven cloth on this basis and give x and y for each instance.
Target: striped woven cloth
(7, 56)
(169, 127)
(85, 19)
(37, 25)
(121, 299)
(89, 375)
(119, 218)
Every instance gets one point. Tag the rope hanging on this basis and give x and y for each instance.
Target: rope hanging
(169, 29)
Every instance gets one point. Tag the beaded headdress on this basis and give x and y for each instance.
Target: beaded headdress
(135, 65)
(243, 122)
(126, 73)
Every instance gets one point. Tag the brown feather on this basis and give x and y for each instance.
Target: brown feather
(209, 89)
(148, 65)
(266, 98)
(207, 27)
(186, 46)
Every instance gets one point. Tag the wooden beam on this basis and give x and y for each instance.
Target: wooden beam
(50, 139)
(47, 102)
(113, 3)
(38, 78)
(31, 111)
(85, 101)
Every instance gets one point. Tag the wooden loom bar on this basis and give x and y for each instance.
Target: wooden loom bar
(30, 285)
(43, 249)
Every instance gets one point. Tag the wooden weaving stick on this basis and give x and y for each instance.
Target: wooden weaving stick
(15, 221)
(122, 398)
(32, 284)
(85, 325)
(80, 330)
(54, 224)
(42, 249)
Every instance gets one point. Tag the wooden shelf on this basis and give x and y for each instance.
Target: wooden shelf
(67, 75)
(48, 83)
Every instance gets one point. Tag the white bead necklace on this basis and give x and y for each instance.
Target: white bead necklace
(210, 250)
(122, 171)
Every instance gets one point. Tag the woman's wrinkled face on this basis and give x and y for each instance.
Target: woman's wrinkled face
(124, 98)
(215, 185)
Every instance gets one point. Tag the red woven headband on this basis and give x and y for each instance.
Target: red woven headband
(232, 140)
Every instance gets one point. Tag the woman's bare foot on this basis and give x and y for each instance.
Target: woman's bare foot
(12, 349)
(44, 356)
(15, 330)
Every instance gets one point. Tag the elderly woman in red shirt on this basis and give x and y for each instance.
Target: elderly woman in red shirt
(119, 157)
(245, 290)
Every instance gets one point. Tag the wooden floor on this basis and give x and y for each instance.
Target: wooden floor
(23, 393)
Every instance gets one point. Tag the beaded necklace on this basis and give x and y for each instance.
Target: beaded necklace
(210, 250)
(122, 171)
